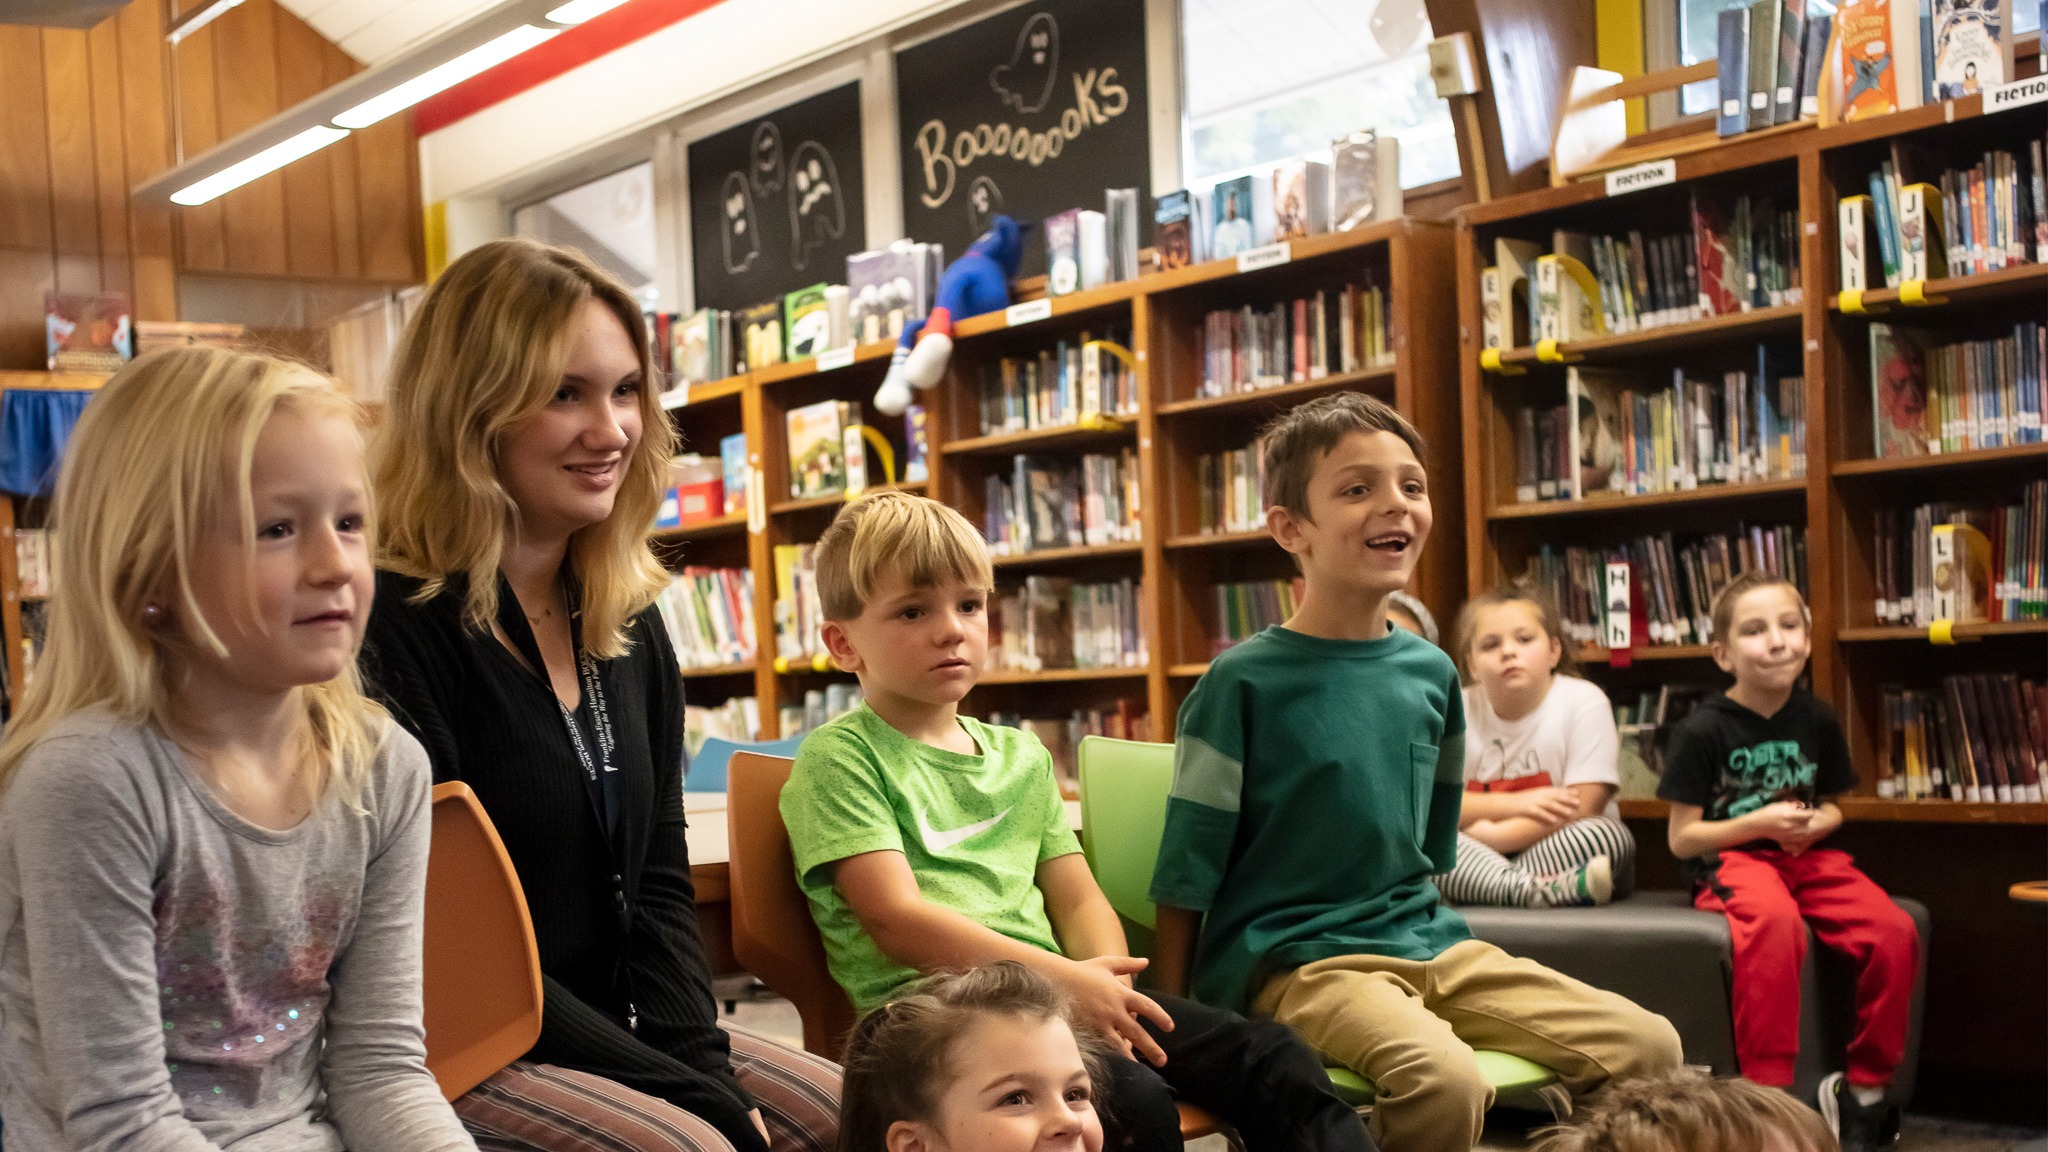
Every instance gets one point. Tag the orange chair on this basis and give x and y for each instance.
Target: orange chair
(482, 968)
(772, 931)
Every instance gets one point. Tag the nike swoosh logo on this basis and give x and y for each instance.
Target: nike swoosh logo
(936, 841)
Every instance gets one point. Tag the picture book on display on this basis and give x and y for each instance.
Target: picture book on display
(890, 287)
(819, 449)
(760, 336)
(807, 322)
(1243, 213)
(1173, 230)
(1301, 199)
(1365, 180)
(87, 332)
(732, 457)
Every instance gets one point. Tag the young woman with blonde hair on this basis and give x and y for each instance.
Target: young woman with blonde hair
(521, 464)
(213, 848)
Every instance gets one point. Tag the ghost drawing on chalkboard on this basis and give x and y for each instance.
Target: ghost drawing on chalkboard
(742, 238)
(984, 204)
(1025, 82)
(817, 212)
(765, 160)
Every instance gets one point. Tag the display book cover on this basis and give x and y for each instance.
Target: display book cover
(817, 447)
(87, 332)
(1365, 180)
(1173, 239)
(807, 322)
(890, 287)
(732, 456)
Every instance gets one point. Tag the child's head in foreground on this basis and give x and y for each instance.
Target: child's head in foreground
(1347, 493)
(904, 583)
(1763, 632)
(212, 543)
(1687, 1112)
(980, 1061)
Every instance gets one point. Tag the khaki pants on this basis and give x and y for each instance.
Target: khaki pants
(1411, 1025)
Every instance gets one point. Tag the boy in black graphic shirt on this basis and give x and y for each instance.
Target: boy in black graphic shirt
(1751, 777)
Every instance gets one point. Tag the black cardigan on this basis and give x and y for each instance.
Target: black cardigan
(494, 723)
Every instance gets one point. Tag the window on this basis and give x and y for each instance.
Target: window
(1267, 79)
(610, 220)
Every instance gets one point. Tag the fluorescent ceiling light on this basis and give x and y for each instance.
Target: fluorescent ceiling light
(577, 11)
(200, 19)
(448, 75)
(261, 164)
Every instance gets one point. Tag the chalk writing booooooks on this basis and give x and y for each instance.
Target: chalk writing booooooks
(1098, 98)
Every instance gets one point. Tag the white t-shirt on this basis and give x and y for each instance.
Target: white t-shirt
(1569, 739)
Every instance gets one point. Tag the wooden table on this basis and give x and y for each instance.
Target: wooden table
(705, 812)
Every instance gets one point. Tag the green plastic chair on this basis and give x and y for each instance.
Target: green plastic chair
(1124, 786)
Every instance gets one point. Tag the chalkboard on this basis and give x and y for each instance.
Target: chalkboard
(1031, 112)
(775, 203)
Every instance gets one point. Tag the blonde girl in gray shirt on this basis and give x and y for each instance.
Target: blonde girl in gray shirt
(212, 846)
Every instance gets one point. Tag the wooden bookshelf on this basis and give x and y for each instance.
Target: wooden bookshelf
(1833, 505)
(12, 632)
(1174, 565)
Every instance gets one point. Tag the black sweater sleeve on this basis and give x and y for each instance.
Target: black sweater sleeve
(672, 988)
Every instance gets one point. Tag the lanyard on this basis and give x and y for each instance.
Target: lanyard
(600, 775)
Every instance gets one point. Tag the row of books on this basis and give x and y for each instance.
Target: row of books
(1297, 198)
(1771, 64)
(819, 707)
(1231, 489)
(829, 450)
(1087, 249)
(1964, 221)
(1732, 259)
(709, 613)
(1063, 502)
(1062, 735)
(736, 721)
(1980, 738)
(1963, 563)
(885, 289)
(1245, 609)
(1248, 348)
(1620, 433)
(1072, 382)
(1671, 582)
(1928, 398)
(1049, 622)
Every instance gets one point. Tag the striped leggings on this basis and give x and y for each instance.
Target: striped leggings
(542, 1108)
(1484, 876)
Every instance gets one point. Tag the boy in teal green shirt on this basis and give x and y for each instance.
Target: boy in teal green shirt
(928, 841)
(1317, 777)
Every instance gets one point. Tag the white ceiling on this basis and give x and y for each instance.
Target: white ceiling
(374, 30)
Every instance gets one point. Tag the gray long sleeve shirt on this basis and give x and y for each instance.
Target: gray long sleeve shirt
(175, 978)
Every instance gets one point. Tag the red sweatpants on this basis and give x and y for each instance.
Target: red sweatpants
(1766, 895)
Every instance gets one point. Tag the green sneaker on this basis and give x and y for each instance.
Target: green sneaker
(1588, 886)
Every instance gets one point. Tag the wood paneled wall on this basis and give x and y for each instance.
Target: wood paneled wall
(85, 116)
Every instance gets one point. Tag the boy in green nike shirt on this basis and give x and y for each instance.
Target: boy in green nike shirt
(1317, 775)
(928, 841)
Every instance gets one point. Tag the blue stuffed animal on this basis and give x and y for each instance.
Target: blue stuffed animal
(978, 282)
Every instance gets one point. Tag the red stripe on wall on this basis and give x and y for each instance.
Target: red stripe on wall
(536, 66)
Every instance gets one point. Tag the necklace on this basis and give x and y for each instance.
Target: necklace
(545, 613)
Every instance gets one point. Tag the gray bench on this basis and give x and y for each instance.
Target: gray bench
(1658, 950)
